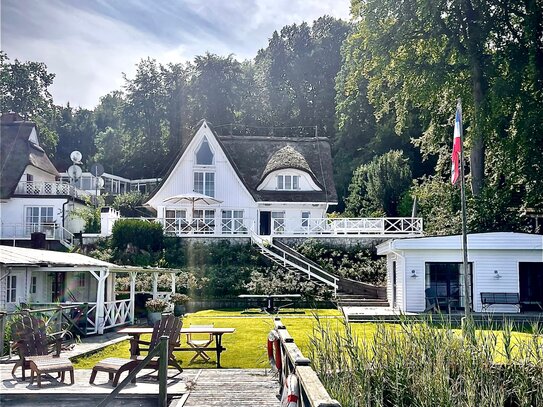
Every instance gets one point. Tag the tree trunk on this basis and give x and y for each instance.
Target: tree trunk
(474, 44)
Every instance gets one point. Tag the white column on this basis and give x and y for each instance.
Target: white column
(28, 276)
(133, 276)
(155, 285)
(173, 282)
(100, 292)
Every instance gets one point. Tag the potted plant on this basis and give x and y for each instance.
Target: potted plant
(155, 308)
(179, 303)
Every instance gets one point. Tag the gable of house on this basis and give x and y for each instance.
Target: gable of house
(19, 150)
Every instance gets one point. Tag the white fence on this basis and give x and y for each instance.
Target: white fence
(347, 226)
(52, 231)
(184, 227)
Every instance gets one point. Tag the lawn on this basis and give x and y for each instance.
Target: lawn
(246, 348)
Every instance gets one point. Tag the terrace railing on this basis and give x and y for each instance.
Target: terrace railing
(312, 391)
(51, 230)
(184, 227)
(347, 226)
(116, 313)
(49, 188)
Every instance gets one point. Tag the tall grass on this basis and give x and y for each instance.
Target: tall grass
(430, 364)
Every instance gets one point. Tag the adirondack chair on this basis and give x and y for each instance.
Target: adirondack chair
(30, 340)
(169, 325)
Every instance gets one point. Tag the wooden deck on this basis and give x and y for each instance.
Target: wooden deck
(194, 387)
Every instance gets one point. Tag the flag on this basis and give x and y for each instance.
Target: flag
(457, 145)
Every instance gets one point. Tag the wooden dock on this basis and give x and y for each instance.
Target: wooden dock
(192, 388)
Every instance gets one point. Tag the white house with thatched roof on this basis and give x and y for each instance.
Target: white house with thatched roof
(228, 185)
(31, 197)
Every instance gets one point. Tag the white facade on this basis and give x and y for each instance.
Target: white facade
(216, 177)
(496, 260)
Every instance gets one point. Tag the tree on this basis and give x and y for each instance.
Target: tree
(377, 187)
(24, 87)
(215, 88)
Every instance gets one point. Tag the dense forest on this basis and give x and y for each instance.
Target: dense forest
(383, 88)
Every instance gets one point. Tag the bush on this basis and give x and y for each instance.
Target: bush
(156, 305)
(138, 233)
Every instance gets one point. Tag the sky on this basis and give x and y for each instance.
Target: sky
(88, 44)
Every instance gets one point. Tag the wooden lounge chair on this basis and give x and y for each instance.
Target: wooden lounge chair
(36, 351)
(170, 326)
(199, 344)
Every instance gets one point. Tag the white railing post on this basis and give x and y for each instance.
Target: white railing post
(133, 275)
(100, 306)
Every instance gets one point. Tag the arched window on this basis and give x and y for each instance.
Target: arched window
(204, 155)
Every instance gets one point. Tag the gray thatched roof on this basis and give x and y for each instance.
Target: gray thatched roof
(287, 157)
(254, 157)
(17, 152)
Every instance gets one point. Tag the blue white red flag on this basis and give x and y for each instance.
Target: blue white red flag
(457, 145)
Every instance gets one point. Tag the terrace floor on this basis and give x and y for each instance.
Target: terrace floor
(192, 388)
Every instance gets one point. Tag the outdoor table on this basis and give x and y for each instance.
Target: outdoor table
(270, 307)
(136, 332)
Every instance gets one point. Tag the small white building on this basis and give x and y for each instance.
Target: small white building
(500, 262)
(262, 183)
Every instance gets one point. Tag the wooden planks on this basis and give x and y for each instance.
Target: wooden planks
(234, 387)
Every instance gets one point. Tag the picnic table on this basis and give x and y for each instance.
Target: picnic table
(270, 307)
(136, 332)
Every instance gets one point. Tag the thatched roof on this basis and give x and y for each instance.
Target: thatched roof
(254, 157)
(17, 152)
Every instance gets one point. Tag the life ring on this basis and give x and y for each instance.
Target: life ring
(274, 351)
(291, 392)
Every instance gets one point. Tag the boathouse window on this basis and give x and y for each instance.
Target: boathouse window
(33, 284)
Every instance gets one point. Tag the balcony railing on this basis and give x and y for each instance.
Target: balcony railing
(49, 188)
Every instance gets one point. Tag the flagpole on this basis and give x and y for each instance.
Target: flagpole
(467, 281)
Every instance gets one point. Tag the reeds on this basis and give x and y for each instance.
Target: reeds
(428, 363)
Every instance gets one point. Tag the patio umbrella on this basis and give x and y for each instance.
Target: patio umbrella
(193, 197)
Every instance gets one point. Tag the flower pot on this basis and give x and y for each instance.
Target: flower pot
(153, 317)
(179, 310)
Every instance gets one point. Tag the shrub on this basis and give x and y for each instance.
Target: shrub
(156, 305)
(138, 233)
(179, 299)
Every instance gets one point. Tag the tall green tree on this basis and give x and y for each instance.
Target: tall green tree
(377, 187)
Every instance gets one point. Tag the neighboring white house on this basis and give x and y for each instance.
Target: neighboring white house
(266, 184)
(501, 262)
(31, 198)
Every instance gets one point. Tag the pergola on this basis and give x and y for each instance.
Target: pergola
(30, 266)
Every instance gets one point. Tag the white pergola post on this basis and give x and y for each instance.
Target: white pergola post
(100, 293)
(155, 285)
(133, 275)
(173, 282)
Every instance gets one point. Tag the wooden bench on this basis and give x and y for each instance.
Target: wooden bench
(488, 299)
(40, 365)
(114, 367)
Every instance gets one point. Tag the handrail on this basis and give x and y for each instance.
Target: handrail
(160, 350)
(294, 261)
(312, 391)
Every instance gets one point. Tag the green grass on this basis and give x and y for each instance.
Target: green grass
(246, 348)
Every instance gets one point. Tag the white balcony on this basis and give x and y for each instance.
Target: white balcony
(49, 188)
(20, 231)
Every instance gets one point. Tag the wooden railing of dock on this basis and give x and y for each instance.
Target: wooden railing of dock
(312, 391)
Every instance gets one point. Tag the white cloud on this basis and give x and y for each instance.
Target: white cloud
(88, 49)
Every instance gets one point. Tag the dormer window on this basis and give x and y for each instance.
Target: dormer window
(288, 182)
(204, 155)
